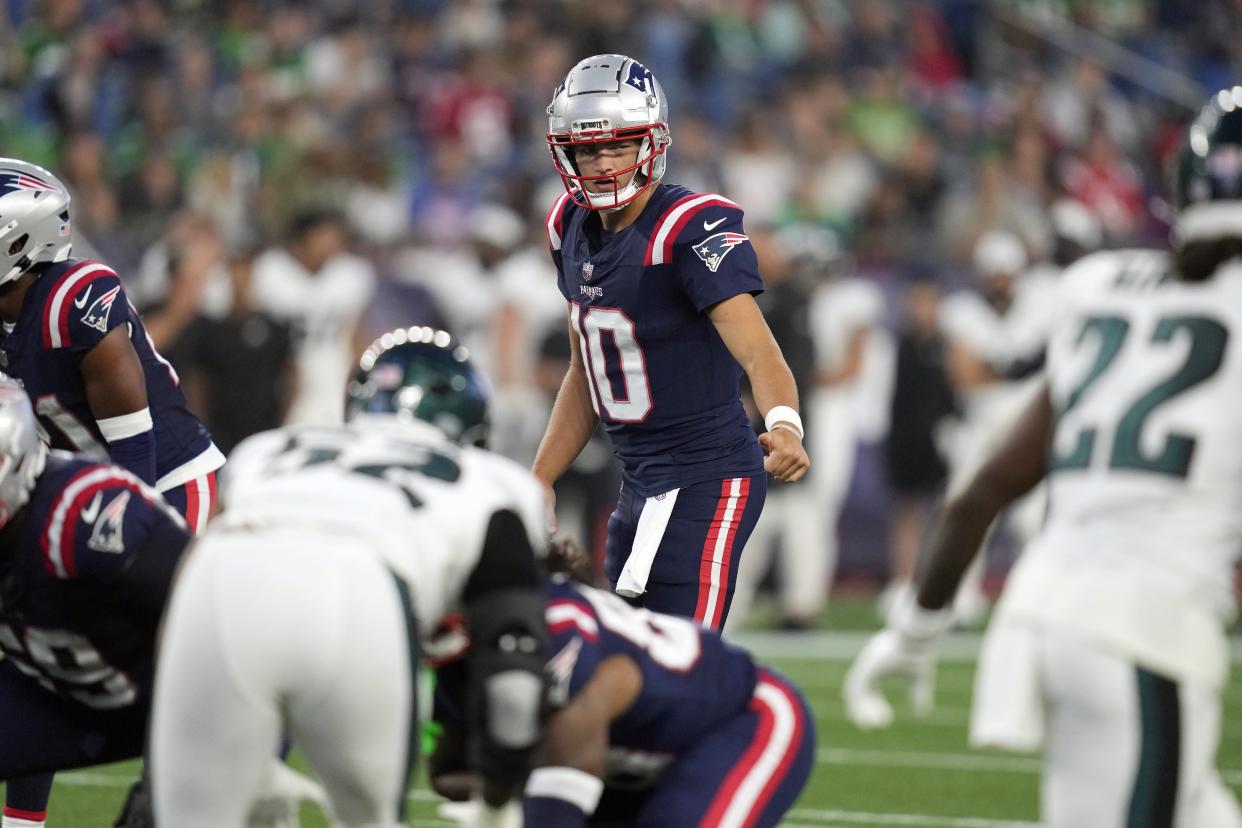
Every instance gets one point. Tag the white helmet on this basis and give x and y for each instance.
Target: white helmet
(609, 98)
(34, 218)
(22, 453)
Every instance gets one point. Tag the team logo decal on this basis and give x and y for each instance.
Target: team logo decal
(109, 534)
(588, 271)
(97, 314)
(713, 249)
(640, 78)
(12, 182)
(560, 671)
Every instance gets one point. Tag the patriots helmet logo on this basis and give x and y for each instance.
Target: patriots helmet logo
(12, 181)
(713, 249)
(640, 78)
(97, 314)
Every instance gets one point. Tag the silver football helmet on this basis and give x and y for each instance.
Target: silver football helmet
(34, 218)
(22, 453)
(609, 98)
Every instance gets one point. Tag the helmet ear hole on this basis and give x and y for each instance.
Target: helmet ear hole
(19, 244)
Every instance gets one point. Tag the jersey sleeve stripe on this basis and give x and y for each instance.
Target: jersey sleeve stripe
(563, 615)
(556, 218)
(56, 311)
(752, 781)
(670, 225)
(56, 540)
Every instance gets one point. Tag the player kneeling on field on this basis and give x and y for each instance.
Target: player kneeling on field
(87, 553)
(302, 606)
(658, 723)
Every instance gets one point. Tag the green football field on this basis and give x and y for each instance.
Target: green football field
(918, 773)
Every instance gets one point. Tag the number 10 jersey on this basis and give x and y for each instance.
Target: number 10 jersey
(1144, 520)
(661, 379)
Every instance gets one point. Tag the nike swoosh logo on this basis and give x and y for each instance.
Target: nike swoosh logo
(91, 512)
(713, 224)
(81, 303)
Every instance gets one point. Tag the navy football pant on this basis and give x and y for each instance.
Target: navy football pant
(695, 568)
(41, 731)
(748, 772)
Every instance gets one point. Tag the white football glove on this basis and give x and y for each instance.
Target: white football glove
(280, 794)
(906, 649)
(478, 814)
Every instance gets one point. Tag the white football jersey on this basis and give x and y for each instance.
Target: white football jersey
(1144, 520)
(397, 488)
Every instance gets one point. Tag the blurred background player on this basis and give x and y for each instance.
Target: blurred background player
(97, 383)
(660, 283)
(87, 554)
(1108, 648)
(655, 722)
(995, 338)
(313, 284)
(301, 608)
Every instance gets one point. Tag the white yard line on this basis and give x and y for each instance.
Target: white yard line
(920, 820)
(928, 760)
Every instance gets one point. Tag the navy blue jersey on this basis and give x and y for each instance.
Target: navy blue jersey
(693, 682)
(67, 311)
(661, 378)
(84, 574)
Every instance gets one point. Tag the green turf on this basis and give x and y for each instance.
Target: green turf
(919, 771)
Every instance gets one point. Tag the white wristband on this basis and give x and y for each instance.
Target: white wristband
(126, 425)
(783, 415)
(577, 787)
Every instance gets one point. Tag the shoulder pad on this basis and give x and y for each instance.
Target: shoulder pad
(75, 301)
(556, 219)
(678, 224)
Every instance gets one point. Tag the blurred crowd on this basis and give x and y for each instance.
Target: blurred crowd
(278, 182)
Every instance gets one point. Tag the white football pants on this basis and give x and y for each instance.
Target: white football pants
(273, 633)
(1123, 746)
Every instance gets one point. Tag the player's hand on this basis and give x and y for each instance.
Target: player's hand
(786, 459)
(906, 650)
(280, 793)
(477, 814)
(885, 655)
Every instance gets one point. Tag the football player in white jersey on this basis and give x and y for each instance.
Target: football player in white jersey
(1108, 647)
(337, 550)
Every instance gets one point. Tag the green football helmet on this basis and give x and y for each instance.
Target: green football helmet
(424, 374)
(1207, 174)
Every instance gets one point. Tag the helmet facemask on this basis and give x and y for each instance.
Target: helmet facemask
(647, 168)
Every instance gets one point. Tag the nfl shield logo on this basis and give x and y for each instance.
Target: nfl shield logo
(588, 270)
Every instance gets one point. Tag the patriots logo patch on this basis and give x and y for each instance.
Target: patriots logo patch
(12, 182)
(560, 671)
(97, 314)
(109, 533)
(713, 249)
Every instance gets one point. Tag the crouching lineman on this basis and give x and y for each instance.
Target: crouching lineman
(1108, 647)
(87, 554)
(303, 603)
(658, 724)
